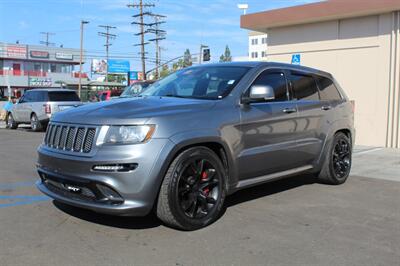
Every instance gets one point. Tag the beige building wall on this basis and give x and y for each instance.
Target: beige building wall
(361, 53)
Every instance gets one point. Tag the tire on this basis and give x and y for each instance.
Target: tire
(11, 124)
(185, 200)
(36, 125)
(337, 165)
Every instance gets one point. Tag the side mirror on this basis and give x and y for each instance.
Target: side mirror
(260, 93)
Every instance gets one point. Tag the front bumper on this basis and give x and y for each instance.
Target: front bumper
(71, 179)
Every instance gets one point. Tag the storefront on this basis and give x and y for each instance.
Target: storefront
(30, 66)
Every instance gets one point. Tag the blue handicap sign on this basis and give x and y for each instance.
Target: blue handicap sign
(296, 59)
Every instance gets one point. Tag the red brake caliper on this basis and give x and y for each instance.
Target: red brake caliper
(204, 177)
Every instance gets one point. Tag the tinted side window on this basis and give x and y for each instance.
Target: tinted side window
(63, 96)
(328, 90)
(277, 81)
(304, 87)
(27, 97)
(36, 96)
(44, 96)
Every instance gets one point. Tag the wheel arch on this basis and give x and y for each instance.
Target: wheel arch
(218, 146)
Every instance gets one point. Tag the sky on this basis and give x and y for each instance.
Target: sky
(189, 23)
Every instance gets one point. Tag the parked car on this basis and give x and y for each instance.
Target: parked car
(195, 137)
(108, 95)
(37, 106)
(136, 88)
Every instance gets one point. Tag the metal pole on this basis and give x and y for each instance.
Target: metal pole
(107, 44)
(81, 59)
(142, 39)
(200, 54)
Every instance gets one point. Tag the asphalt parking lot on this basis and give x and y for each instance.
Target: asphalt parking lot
(290, 222)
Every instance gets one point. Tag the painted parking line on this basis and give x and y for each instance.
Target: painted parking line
(17, 184)
(22, 200)
(366, 151)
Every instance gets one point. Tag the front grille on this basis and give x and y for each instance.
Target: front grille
(70, 137)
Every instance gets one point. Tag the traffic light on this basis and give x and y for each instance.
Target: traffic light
(206, 55)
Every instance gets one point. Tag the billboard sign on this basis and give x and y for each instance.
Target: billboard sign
(64, 56)
(40, 82)
(118, 66)
(39, 54)
(99, 66)
(135, 76)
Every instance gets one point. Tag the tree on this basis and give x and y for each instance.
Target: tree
(226, 56)
(187, 58)
(116, 78)
(178, 65)
(164, 71)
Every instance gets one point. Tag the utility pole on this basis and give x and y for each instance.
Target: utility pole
(83, 22)
(47, 35)
(142, 32)
(159, 35)
(108, 36)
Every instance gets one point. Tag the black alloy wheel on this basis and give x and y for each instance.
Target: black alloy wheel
(198, 188)
(341, 158)
(193, 191)
(337, 165)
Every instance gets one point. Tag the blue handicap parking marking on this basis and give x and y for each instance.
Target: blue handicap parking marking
(296, 59)
(17, 200)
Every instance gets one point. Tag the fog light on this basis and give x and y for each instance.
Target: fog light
(126, 167)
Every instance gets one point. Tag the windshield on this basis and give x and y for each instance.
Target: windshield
(198, 82)
(134, 89)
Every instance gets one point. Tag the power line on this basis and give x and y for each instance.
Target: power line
(47, 35)
(142, 32)
(108, 37)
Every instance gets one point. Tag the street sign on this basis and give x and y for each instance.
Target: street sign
(296, 59)
(206, 55)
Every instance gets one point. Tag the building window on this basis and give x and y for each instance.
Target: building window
(37, 67)
(254, 55)
(53, 68)
(254, 41)
(264, 40)
(263, 54)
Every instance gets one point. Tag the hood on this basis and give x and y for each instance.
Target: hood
(131, 110)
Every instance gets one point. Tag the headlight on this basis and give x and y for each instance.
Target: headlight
(124, 134)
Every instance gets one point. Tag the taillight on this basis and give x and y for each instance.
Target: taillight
(353, 106)
(47, 108)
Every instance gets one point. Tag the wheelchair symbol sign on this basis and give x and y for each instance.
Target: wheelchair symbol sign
(296, 59)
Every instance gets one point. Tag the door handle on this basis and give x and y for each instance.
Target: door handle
(289, 110)
(326, 107)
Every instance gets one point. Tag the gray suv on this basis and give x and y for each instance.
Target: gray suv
(195, 137)
(36, 107)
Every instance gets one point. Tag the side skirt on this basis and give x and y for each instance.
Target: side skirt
(271, 177)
